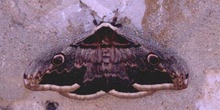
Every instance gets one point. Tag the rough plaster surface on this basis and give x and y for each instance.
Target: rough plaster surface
(189, 27)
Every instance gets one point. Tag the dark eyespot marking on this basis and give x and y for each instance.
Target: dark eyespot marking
(58, 59)
(153, 59)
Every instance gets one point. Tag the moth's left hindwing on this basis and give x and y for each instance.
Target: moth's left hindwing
(105, 61)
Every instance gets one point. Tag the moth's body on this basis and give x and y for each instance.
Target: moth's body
(105, 61)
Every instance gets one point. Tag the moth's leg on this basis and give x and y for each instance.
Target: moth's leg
(130, 95)
(115, 18)
(83, 97)
(94, 15)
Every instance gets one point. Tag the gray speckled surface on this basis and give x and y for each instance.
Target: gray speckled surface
(189, 27)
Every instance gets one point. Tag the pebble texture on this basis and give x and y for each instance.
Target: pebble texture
(188, 27)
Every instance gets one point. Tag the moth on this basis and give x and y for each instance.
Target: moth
(108, 59)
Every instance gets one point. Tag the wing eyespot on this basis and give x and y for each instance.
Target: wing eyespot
(58, 59)
(153, 59)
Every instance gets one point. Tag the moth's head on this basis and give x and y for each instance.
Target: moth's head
(113, 21)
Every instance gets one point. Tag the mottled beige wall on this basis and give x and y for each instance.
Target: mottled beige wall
(188, 27)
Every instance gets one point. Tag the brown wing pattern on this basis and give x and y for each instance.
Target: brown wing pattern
(105, 62)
